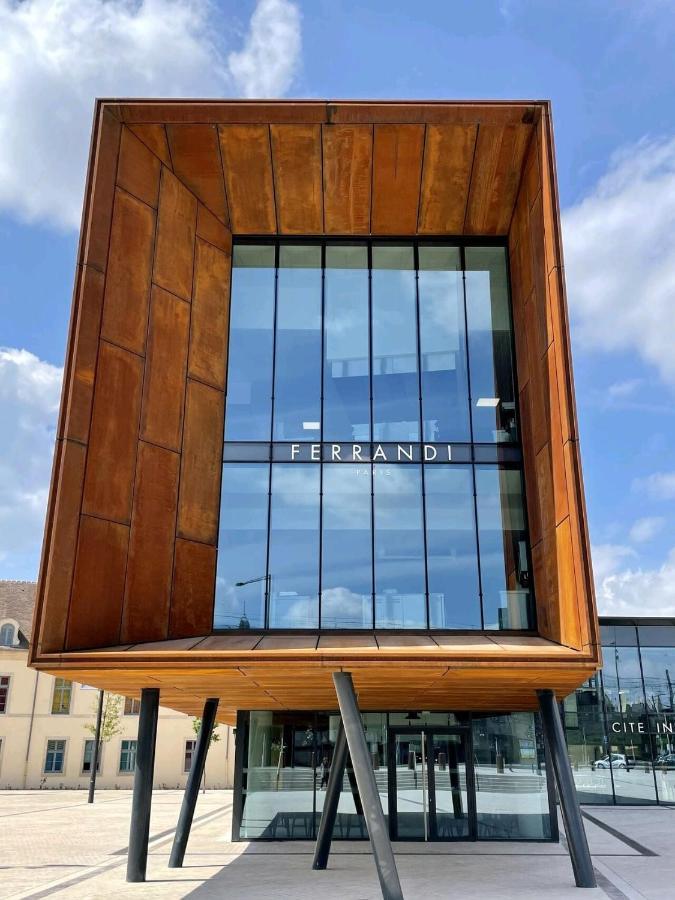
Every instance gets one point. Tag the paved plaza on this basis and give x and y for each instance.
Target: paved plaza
(56, 845)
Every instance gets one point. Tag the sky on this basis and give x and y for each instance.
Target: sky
(606, 65)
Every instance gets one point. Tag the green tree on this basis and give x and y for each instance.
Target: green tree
(111, 723)
(196, 727)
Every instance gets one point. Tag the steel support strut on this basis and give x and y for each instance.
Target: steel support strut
(139, 831)
(569, 802)
(331, 800)
(97, 748)
(187, 809)
(365, 780)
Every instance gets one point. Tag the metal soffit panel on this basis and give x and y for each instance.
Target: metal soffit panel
(347, 167)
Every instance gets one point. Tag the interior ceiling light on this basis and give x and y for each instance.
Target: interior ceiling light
(487, 401)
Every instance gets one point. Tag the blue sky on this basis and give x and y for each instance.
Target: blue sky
(605, 64)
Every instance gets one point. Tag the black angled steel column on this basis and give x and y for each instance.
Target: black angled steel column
(139, 831)
(365, 780)
(187, 809)
(569, 802)
(331, 800)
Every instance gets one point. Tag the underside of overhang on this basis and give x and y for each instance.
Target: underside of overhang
(452, 672)
(343, 167)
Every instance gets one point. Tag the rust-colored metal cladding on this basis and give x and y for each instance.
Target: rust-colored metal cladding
(131, 537)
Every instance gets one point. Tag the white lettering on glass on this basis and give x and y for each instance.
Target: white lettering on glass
(295, 449)
(429, 453)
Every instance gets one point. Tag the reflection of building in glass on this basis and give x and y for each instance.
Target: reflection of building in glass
(620, 724)
(334, 341)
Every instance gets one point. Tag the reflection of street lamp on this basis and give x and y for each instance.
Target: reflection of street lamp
(244, 622)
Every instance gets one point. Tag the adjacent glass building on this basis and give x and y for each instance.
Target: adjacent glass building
(372, 473)
(620, 725)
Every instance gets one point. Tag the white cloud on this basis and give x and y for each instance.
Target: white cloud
(644, 592)
(269, 59)
(620, 257)
(646, 528)
(56, 57)
(658, 486)
(29, 400)
(607, 558)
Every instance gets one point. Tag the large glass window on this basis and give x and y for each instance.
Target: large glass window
(346, 355)
(452, 560)
(241, 580)
(502, 538)
(630, 744)
(396, 390)
(490, 345)
(249, 372)
(369, 385)
(346, 552)
(400, 587)
(445, 389)
(509, 761)
(297, 360)
(294, 546)
(588, 742)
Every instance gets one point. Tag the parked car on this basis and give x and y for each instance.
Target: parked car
(665, 761)
(618, 762)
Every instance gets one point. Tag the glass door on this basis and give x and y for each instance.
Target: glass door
(449, 788)
(431, 794)
(412, 785)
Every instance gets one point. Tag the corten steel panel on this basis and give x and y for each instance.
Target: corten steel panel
(165, 370)
(111, 459)
(174, 246)
(210, 314)
(495, 177)
(138, 169)
(194, 577)
(296, 155)
(98, 585)
(195, 155)
(147, 593)
(481, 168)
(79, 393)
(154, 137)
(446, 175)
(397, 166)
(247, 164)
(201, 463)
(347, 178)
(127, 284)
(212, 230)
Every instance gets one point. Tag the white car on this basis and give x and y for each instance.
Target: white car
(618, 762)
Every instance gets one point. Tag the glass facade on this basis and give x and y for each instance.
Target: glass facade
(440, 776)
(620, 725)
(372, 470)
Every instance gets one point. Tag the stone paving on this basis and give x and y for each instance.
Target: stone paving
(55, 845)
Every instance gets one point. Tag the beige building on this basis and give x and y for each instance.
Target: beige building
(44, 741)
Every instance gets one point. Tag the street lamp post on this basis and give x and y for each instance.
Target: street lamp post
(244, 622)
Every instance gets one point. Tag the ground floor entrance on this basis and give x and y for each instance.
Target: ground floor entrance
(432, 791)
(440, 776)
